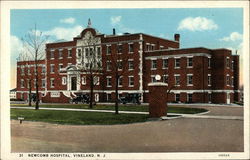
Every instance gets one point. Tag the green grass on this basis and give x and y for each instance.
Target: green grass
(138, 108)
(78, 118)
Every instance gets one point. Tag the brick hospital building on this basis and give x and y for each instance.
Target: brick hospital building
(194, 75)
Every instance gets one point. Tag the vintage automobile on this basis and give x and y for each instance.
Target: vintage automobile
(131, 98)
(80, 98)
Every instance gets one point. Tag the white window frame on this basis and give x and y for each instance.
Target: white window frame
(130, 61)
(64, 80)
(189, 97)
(176, 97)
(109, 65)
(175, 79)
(163, 63)
(153, 79)
(188, 60)
(60, 53)
(109, 79)
(152, 64)
(22, 83)
(164, 77)
(99, 54)
(43, 69)
(120, 81)
(175, 64)
(84, 80)
(118, 48)
(209, 62)
(131, 79)
(227, 80)
(52, 86)
(209, 80)
(52, 70)
(52, 52)
(129, 48)
(188, 76)
(43, 83)
(69, 52)
(96, 80)
(107, 49)
(119, 61)
(228, 62)
(60, 68)
(22, 70)
(232, 81)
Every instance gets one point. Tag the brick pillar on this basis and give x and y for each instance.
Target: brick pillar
(157, 99)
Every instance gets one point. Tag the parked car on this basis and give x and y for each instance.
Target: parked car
(82, 98)
(131, 98)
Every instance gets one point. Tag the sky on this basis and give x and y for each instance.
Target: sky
(204, 27)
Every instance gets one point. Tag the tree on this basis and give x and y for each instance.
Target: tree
(118, 63)
(91, 63)
(34, 50)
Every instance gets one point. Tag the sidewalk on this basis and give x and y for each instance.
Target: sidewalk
(199, 115)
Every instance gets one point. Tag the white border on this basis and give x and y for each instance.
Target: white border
(5, 66)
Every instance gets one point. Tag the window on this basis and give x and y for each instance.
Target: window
(96, 80)
(22, 70)
(177, 79)
(64, 80)
(29, 70)
(190, 79)
(165, 63)
(69, 53)
(60, 54)
(91, 51)
(190, 98)
(153, 78)
(28, 83)
(130, 65)
(232, 65)
(209, 62)
(43, 69)
(119, 48)
(161, 47)
(52, 68)
(22, 83)
(52, 55)
(227, 62)
(86, 52)
(109, 82)
(108, 65)
(83, 80)
(152, 47)
(228, 80)
(130, 47)
(165, 78)
(60, 67)
(209, 98)
(153, 64)
(190, 62)
(177, 63)
(209, 79)
(148, 47)
(119, 65)
(34, 83)
(131, 81)
(99, 52)
(43, 83)
(120, 81)
(177, 97)
(108, 97)
(69, 64)
(52, 83)
(232, 81)
(79, 52)
(108, 49)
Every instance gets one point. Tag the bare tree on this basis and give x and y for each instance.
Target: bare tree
(118, 63)
(34, 47)
(91, 64)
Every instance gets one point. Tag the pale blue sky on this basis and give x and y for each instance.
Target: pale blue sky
(209, 27)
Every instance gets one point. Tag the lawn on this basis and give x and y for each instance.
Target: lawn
(138, 108)
(78, 118)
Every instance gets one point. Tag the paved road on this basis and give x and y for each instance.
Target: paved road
(177, 135)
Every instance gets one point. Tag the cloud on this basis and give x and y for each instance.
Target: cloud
(65, 33)
(16, 47)
(197, 24)
(234, 36)
(69, 20)
(115, 20)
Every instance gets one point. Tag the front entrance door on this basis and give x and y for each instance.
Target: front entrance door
(73, 83)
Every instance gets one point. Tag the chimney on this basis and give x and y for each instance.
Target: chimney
(177, 37)
(113, 31)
